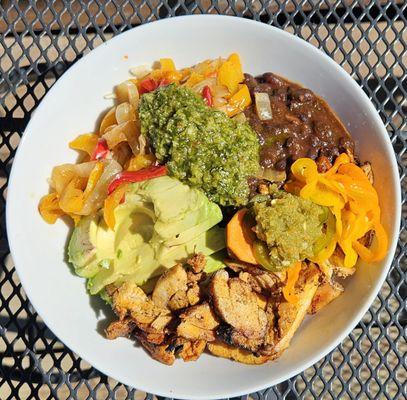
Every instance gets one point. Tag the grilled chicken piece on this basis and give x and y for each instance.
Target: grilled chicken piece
(260, 281)
(271, 335)
(178, 288)
(172, 283)
(233, 337)
(198, 323)
(197, 263)
(130, 301)
(121, 328)
(325, 293)
(367, 169)
(192, 350)
(261, 301)
(234, 353)
(162, 353)
(236, 303)
(335, 264)
(290, 315)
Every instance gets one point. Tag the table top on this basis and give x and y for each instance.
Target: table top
(40, 40)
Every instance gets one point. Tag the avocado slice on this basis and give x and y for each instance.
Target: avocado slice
(82, 245)
(161, 222)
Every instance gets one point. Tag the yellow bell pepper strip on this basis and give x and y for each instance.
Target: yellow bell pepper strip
(111, 202)
(230, 73)
(378, 250)
(167, 64)
(235, 59)
(173, 76)
(71, 199)
(76, 192)
(49, 208)
(239, 101)
(86, 142)
(94, 177)
(140, 161)
(352, 199)
(343, 158)
(292, 277)
(193, 79)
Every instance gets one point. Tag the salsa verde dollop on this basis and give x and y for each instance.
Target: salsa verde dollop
(201, 146)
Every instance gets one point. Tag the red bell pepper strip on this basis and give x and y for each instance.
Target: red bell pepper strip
(207, 96)
(163, 82)
(136, 176)
(147, 85)
(101, 150)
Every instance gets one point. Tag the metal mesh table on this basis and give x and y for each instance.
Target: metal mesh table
(40, 40)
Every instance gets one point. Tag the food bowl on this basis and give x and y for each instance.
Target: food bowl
(74, 104)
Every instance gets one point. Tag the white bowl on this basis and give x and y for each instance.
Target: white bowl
(73, 105)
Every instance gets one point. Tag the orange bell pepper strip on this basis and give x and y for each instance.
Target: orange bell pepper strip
(111, 202)
(292, 276)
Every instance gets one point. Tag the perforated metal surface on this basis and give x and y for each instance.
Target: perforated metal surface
(39, 42)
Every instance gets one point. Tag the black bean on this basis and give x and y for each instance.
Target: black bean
(302, 95)
(275, 81)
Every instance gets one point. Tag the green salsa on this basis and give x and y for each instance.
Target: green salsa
(290, 226)
(201, 146)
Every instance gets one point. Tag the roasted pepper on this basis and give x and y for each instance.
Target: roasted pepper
(111, 202)
(101, 150)
(353, 201)
(292, 277)
(86, 142)
(136, 176)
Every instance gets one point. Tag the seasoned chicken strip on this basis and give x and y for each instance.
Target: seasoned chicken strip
(236, 303)
(198, 323)
(130, 301)
(121, 328)
(325, 293)
(290, 315)
(160, 353)
(192, 350)
(171, 283)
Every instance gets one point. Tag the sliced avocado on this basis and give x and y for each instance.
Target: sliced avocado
(140, 269)
(152, 187)
(101, 240)
(161, 222)
(88, 270)
(184, 230)
(215, 262)
(82, 245)
(207, 243)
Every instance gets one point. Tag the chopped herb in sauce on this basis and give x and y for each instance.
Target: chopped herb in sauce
(201, 146)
